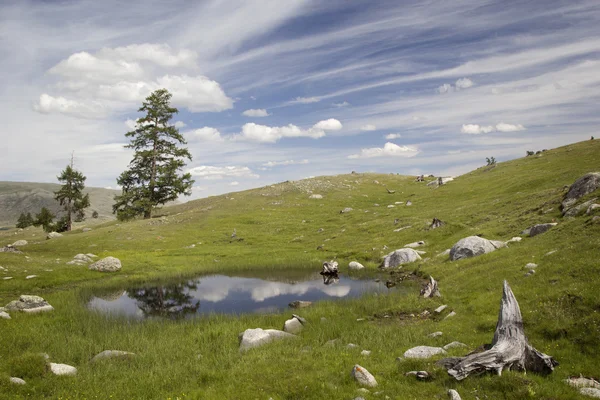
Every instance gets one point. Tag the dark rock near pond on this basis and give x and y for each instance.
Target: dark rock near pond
(300, 304)
(29, 304)
(108, 264)
(330, 268)
(399, 257)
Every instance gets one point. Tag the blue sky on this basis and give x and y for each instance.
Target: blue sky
(273, 90)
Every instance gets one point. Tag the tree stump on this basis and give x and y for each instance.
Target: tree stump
(436, 223)
(510, 348)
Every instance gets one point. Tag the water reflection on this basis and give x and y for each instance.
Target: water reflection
(230, 295)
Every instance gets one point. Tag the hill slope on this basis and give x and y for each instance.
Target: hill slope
(18, 197)
(279, 227)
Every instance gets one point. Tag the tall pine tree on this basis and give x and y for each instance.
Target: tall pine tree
(154, 176)
(71, 196)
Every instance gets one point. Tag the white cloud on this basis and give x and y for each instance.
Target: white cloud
(49, 104)
(330, 124)
(287, 162)
(445, 88)
(234, 183)
(86, 66)
(268, 134)
(205, 134)
(463, 83)
(160, 54)
(343, 104)
(180, 124)
(260, 112)
(502, 127)
(211, 172)
(306, 100)
(368, 127)
(388, 150)
(392, 136)
(197, 94)
(475, 129)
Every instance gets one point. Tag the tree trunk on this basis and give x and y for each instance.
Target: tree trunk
(431, 290)
(510, 349)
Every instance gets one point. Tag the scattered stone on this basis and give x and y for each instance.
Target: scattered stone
(424, 314)
(2, 268)
(4, 315)
(470, 247)
(294, 324)
(86, 229)
(582, 186)
(346, 210)
(453, 345)
(365, 353)
(423, 352)
(6, 278)
(351, 346)
(415, 244)
(530, 265)
(575, 211)
(10, 249)
(363, 377)
(452, 314)
(436, 223)
(29, 304)
(420, 375)
(550, 253)
(592, 392)
(440, 308)
(540, 228)
(30, 276)
(431, 289)
(108, 354)
(355, 266)
(300, 304)
(62, 369)
(330, 268)
(453, 394)
(257, 337)
(596, 219)
(444, 253)
(581, 381)
(391, 206)
(403, 228)
(332, 342)
(17, 381)
(435, 334)
(589, 211)
(108, 264)
(514, 239)
(399, 257)
(316, 196)
(19, 243)
(409, 203)
(53, 235)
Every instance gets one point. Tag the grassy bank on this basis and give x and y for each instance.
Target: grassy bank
(281, 227)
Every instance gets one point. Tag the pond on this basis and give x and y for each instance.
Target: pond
(222, 294)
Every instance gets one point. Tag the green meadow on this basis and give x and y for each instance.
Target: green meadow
(279, 227)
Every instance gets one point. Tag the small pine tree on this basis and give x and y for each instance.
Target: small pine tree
(24, 220)
(44, 218)
(71, 197)
(530, 153)
(153, 177)
(95, 214)
(490, 160)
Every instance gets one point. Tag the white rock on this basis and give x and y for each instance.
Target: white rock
(91, 255)
(6, 278)
(530, 266)
(346, 210)
(4, 315)
(366, 352)
(53, 235)
(452, 314)
(514, 239)
(391, 206)
(19, 243)
(415, 244)
(363, 377)
(293, 325)
(355, 265)
(62, 369)
(106, 354)
(470, 247)
(453, 345)
(108, 264)
(399, 257)
(17, 381)
(30, 276)
(423, 352)
(440, 308)
(402, 228)
(444, 253)
(316, 196)
(82, 257)
(453, 394)
(435, 334)
(592, 392)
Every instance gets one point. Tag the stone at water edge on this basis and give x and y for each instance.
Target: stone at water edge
(108, 264)
(106, 354)
(423, 352)
(355, 266)
(293, 325)
(257, 337)
(300, 304)
(541, 228)
(363, 377)
(62, 369)
(399, 257)
(17, 381)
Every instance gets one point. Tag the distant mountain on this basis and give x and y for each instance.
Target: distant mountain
(18, 197)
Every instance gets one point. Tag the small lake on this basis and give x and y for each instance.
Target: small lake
(224, 294)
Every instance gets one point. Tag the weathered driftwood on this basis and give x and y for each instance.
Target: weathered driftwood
(510, 348)
(436, 223)
(390, 191)
(431, 289)
(330, 268)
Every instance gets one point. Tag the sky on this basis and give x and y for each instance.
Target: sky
(271, 90)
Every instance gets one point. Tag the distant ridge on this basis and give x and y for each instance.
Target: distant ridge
(18, 197)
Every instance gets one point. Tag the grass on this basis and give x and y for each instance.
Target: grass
(280, 228)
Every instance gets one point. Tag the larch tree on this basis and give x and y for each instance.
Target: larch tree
(154, 176)
(71, 197)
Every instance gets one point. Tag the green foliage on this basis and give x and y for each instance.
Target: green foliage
(27, 365)
(95, 214)
(71, 197)
(153, 177)
(530, 153)
(44, 219)
(24, 220)
(490, 161)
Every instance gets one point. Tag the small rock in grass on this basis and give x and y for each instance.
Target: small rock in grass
(365, 353)
(19, 243)
(4, 315)
(354, 265)
(106, 354)
(363, 377)
(453, 345)
(62, 369)
(108, 264)
(17, 381)
(581, 381)
(453, 395)
(30, 276)
(294, 324)
(440, 309)
(6, 278)
(420, 375)
(530, 266)
(435, 334)
(452, 314)
(300, 304)
(592, 392)
(541, 228)
(351, 346)
(423, 352)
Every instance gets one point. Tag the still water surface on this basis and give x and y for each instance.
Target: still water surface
(250, 293)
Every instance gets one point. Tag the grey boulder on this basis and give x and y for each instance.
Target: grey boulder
(473, 246)
(251, 338)
(62, 369)
(19, 243)
(363, 377)
(355, 266)
(108, 264)
(294, 324)
(399, 257)
(53, 235)
(423, 352)
(541, 228)
(582, 186)
(4, 315)
(29, 304)
(17, 381)
(575, 211)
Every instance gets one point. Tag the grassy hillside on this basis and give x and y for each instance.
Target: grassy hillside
(18, 197)
(281, 227)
